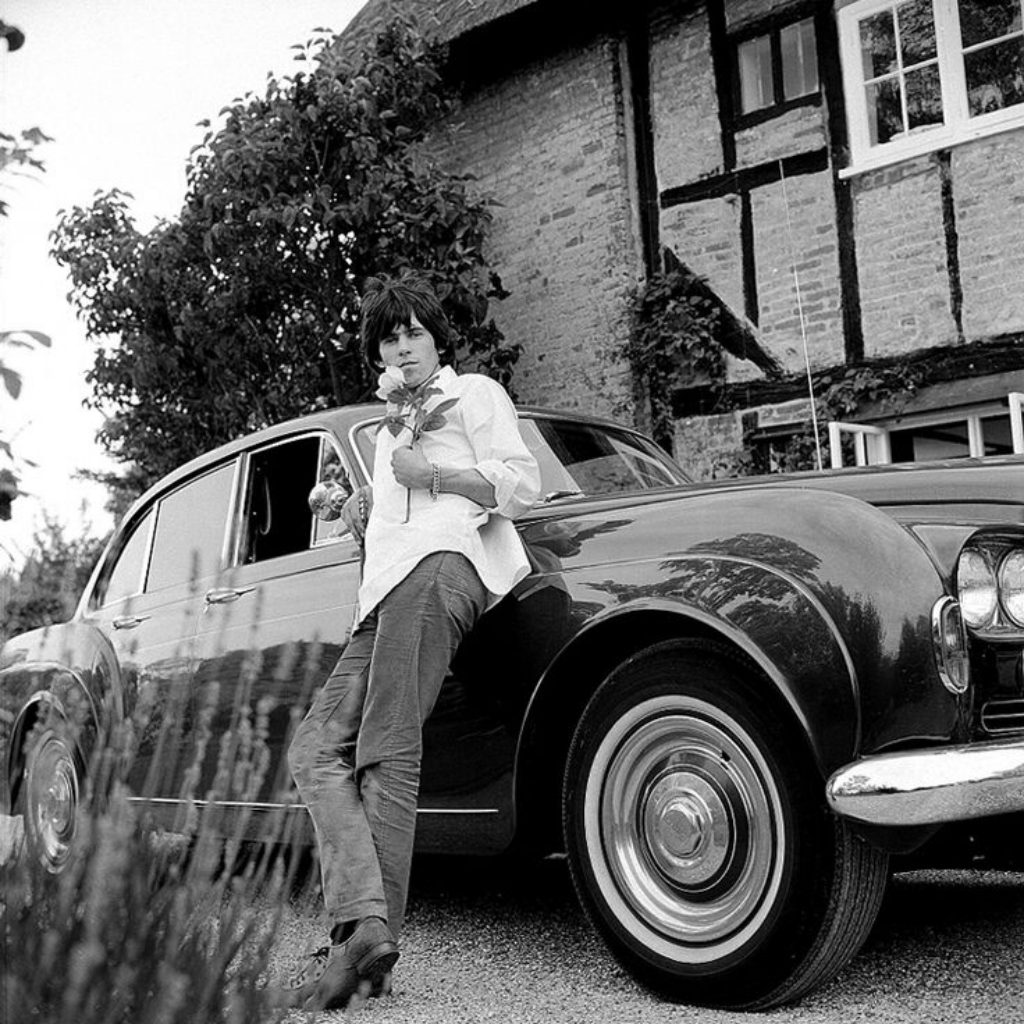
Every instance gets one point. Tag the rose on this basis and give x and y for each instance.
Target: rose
(417, 418)
(392, 380)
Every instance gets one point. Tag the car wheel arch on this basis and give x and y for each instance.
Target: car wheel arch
(608, 641)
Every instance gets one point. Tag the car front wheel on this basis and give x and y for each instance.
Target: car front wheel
(699, 841)
(50, 796)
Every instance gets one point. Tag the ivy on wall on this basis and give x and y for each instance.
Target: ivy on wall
(674, 346)
(672, 341)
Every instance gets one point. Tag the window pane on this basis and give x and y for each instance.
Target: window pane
(878, 45)
(331, 469)
(125, 578)
(917, 32)
(754, 59)
(923, 444)
(885, 111)
(981, 20)
(578, 457)
(278, 519)
(995, 76)
(799, 59)
(997, 435)
(190, 530)
(924, 97)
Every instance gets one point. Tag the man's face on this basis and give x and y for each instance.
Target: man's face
(412, 349)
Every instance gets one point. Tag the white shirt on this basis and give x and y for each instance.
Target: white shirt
(480, 432)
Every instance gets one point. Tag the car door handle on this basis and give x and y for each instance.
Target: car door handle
(226, 595)
(128, 621)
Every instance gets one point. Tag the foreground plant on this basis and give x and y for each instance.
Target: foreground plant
(140, 927)
(132, 931)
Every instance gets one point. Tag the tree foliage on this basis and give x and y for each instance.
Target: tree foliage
(47, 588)
(18, 156)
(244, 310)
(10, 381)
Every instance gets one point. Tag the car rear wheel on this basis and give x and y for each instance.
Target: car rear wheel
(699, 841)
(51, 795)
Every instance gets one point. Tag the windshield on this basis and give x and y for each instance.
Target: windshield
(591, 459)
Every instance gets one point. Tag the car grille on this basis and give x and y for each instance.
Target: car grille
(1004, 715)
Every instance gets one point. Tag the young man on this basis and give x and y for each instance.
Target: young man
(450, 474)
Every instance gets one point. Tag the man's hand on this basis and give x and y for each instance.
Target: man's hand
(411, 468)
(356, 511)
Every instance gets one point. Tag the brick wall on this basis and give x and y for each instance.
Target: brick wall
(988, 191)
(740, 12)
(706, 237)
(548, 143)
(797, 131)
(901, 256)
(797, 271)
(684, 105)
(707, 446)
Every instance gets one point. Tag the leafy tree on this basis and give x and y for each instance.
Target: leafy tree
(17, 157)
(10, 380)
(244, 310)
(48, 586)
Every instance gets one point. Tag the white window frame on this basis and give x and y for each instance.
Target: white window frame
(872, 445)
(958, 126)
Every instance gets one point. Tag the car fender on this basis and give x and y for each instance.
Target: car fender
(44, 688)
(828, 597)
(813, 672)
(69, 669)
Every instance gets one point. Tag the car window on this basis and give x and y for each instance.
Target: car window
(125, 575)
(190, 528)
(594, 459)
(332, 469)
(278, 520)
(578, 458)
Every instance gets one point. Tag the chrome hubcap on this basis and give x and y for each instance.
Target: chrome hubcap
(53, 800)
(685, 822)
(683, 830)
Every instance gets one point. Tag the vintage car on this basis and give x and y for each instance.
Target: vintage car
(733, 706)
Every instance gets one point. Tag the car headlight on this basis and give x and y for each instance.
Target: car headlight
(977, 588)
(1011, 586)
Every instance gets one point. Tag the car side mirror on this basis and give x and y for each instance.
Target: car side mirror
(327, 498)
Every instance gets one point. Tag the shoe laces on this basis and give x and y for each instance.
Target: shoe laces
(309, 968)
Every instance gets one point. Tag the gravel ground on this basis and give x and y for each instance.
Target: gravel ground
(484, 943)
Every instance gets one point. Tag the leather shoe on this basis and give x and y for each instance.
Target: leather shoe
(361, 964)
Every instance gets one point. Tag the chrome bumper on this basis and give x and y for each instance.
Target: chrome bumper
(929, 787)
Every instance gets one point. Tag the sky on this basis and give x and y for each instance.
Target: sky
(120, 86)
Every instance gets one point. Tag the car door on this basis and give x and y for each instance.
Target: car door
(147, 602)
(274, 622)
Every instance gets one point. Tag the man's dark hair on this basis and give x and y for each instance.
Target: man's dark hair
(390, 303)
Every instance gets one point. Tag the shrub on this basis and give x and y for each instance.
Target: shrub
(149, 928)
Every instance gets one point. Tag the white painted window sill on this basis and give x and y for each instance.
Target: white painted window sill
(932, 142)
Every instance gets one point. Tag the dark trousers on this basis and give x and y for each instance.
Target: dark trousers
(356, 755)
